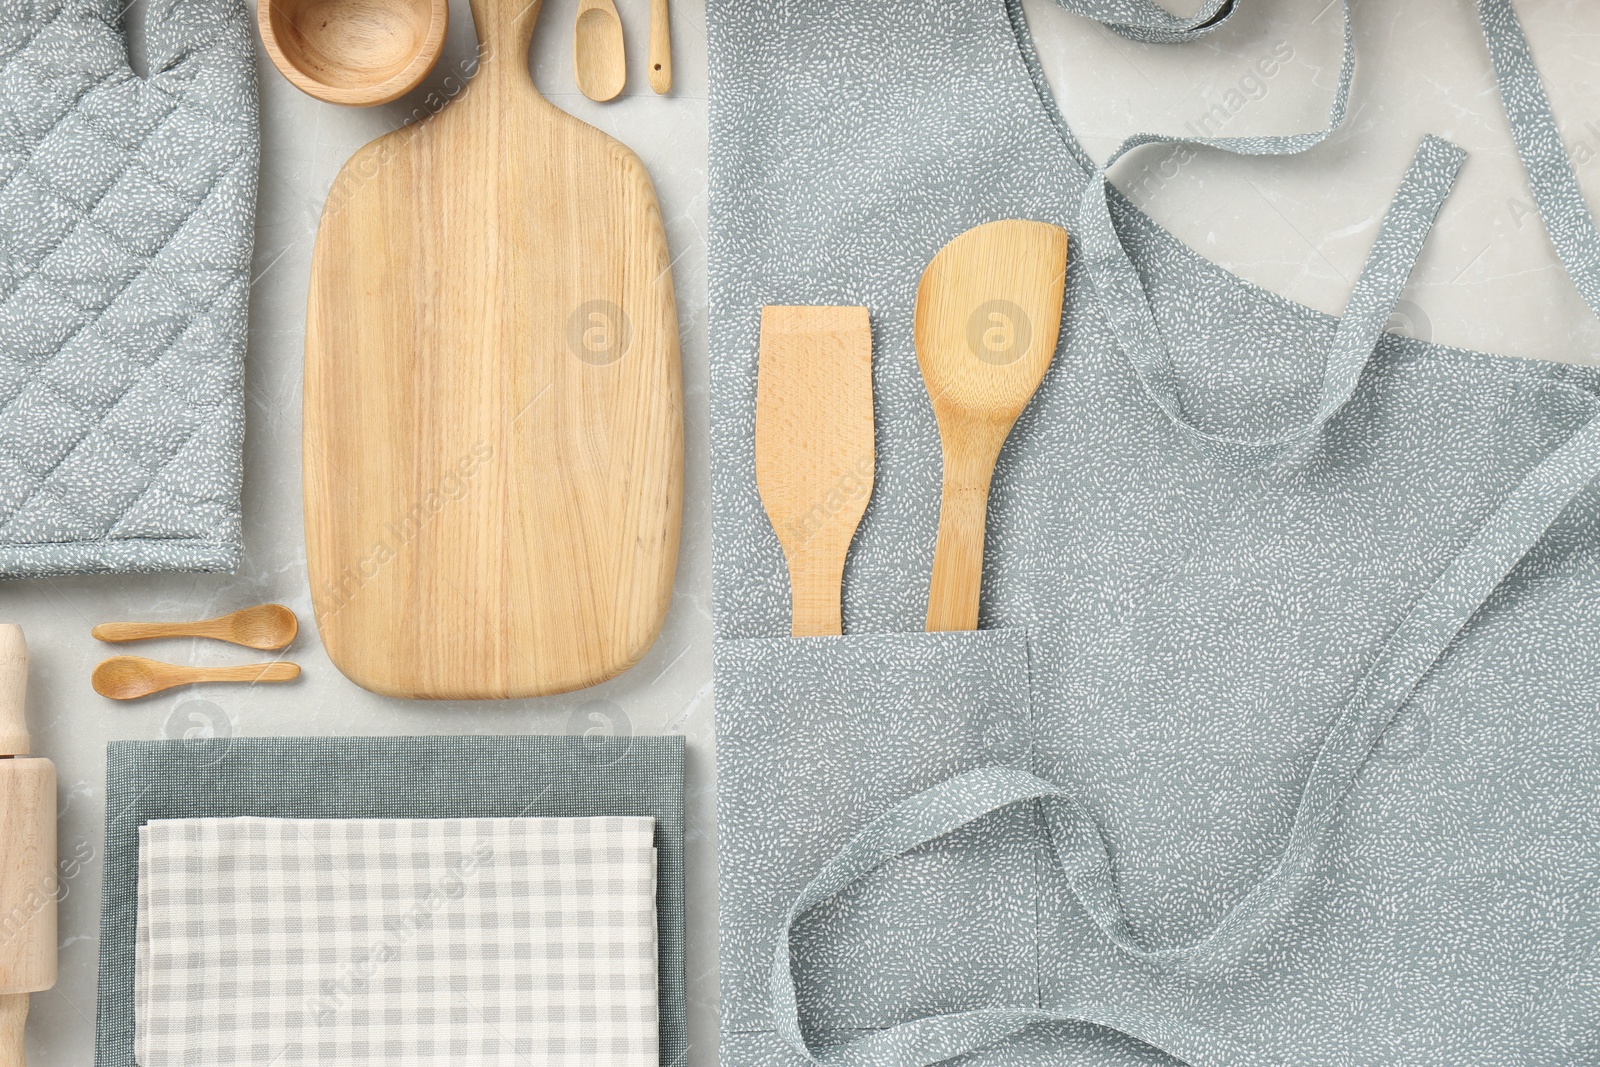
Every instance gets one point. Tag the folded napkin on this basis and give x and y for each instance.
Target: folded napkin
(396, 941)
(384, 778)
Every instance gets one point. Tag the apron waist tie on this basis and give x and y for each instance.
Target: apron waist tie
(1409, 653)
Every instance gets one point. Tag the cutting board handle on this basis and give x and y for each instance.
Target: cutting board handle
(505, 33)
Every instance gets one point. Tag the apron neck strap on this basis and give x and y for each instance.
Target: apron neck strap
(1126, 305)
(1555, 187)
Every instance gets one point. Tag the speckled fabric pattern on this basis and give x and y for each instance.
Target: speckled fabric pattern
(1308, 767)
(126, 224)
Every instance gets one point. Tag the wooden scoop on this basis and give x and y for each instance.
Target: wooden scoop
(814, 448)
(988, 315)
(599, 57)
(267, 627)
(131, 677)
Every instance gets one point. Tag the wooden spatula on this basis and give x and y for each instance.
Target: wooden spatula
(493, 398)
(988, 316)
(814, 448)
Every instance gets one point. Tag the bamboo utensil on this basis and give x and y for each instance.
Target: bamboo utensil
(132, 677)
(354, 52)
(814, 448)
(660, 47)
(493, 398)
(987, 319)
(28, 884)
(267, 627)
(599, 57)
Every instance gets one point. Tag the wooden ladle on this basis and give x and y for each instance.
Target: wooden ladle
(599, 58)
(988, 316)
(132, 677)
(266, 626)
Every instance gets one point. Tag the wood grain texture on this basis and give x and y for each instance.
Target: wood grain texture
(815, 454)
(132, 677)
(661, 46)
(987, 320)
(493, 439)
(354, 52)
(267, 627)
(599, 54)
(28, 884)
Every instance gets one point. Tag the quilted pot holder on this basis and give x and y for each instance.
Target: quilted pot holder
(126, 219)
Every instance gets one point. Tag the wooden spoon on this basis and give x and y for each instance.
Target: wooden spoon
(598, 55)
(132, 677)
(988, 315)
(267, 626)
(660, 47)
(814, 448)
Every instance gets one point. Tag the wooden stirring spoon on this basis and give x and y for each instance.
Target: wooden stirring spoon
(599, 58)
(131, 677)
(267, 627)
(988, 316)
(814, 448)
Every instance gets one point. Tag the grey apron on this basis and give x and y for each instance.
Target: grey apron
(1279, 742)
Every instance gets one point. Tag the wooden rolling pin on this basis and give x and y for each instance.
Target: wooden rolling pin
(27, 855)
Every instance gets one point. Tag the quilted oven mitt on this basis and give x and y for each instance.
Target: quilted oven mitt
(126, 220)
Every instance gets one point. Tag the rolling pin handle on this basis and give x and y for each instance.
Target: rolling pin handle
(13, 691)
(13, 1014)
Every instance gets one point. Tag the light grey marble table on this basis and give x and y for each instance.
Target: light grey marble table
(1299, 226)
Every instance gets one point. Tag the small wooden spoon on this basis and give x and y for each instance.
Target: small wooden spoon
(267, 626)
(598, 55)
(988, 316)
(132, 677)
(814, 448)
(660, 47)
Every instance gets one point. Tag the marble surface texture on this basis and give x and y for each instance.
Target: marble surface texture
(1299, 226)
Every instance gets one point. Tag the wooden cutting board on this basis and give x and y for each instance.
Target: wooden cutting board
(493, 438)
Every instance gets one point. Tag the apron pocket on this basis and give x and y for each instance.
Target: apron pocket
(816, 737)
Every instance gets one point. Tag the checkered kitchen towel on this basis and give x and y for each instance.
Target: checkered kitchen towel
(345, 942)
